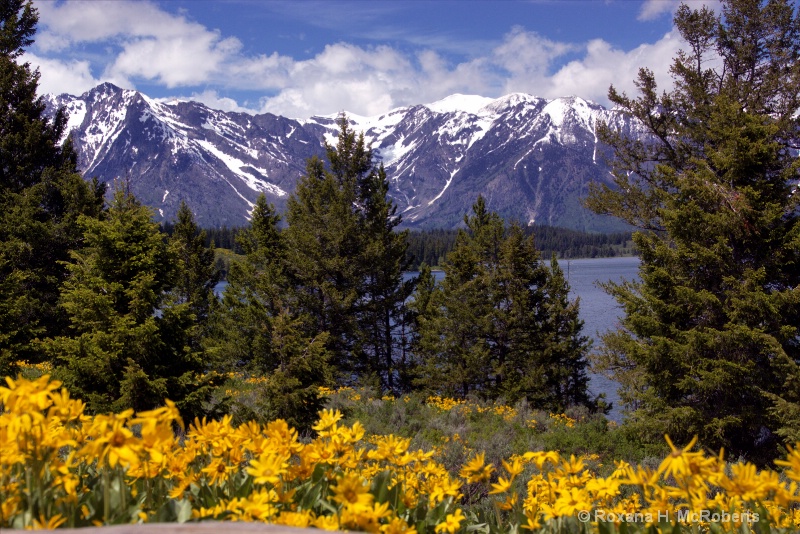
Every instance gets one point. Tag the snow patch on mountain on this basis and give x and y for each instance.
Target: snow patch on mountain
(457, 102)
(446, 185)
(511, 100)
(241, 170)
(557, 111)
(394, 153)
(77, 112)
(101, 134)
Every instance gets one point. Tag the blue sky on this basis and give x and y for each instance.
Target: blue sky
(312, 57)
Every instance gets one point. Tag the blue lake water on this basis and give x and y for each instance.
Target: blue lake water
(598, 310)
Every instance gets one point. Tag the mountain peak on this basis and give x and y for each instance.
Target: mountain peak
(511, 100)
(105, 87)
(458, 102)
(530, 157)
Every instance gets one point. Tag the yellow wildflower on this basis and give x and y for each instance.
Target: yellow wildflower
(51, 523)
(116, 446)
(295, 519)
(603, 488)
(476, 469)
(571, 501)
(747, 483)
(365, 518)
(792, 462)
(442, 487)
(218, 471)
(503, 485)
(352, 490)
(452, 522)
(514, 468)
(327, 522)
(327, 419)
(398, 526)
(268, 468)
(677, 462)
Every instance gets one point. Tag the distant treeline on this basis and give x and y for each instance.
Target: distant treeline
(431, 246)
(221, 237)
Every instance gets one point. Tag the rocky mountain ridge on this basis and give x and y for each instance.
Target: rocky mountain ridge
(531, 158)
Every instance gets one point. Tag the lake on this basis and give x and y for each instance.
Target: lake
(598, 310)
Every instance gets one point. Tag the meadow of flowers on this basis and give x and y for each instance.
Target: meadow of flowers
(60, 467)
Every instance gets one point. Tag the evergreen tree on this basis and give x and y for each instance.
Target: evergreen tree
(41, 197)
(347, 262)
(255, 294)
(709, 342)
(261, 329)
(196, 275)
(29, 143)
(500, 324)
(382, 313)
(125, 348)
(565, 346)
(323, 244)
(418, 311)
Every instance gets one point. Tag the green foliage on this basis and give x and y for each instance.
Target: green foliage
(195, 274)
(564, 346)
(709, 344)
(41, 196)
(500, 324)
(261, 328)
(346, 262)
(29, 143)
(382, 314)
(322, 247)
(128, 345)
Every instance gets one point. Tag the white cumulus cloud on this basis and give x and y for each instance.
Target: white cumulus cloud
(602, 66)
(213, 100)
(71, 77)
(142, 43)
(142, 40)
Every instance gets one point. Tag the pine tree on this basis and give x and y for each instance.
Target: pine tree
(420, 309)
(500, 324)
(196, 274)
(323, 244)
(126, 348)
(255, 295)
(709, 342)
(29, 143)
(454, 333)
(261, 329)
(565, 345)
(382, 314)
(347, 261)
(41, 197)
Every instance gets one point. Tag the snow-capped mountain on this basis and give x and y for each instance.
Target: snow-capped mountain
(531, 158)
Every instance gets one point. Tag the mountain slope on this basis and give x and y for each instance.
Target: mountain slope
(531, 158)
